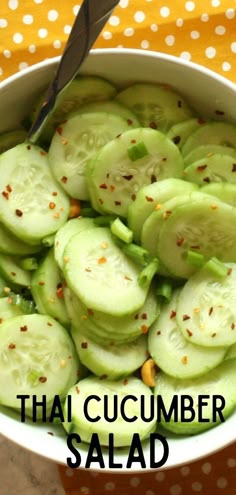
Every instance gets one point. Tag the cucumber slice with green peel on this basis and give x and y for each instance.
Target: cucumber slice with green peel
(11, 138)
(176, 355)
(82, 90)
(207, 150)
(206, 225)
(114, 361)
(129, 162)
(75, 142)
(65, 233)
(123, 431)
(12, 272)
(101, 275)
(179, 132)
(224, 191)
(157, 106)
(205, 393)
(114, 107)
(220, 133)
(8, 309)
(47, 289)
(10, 244)
(151, 197)
(37, 356)
(214, 321)
(32, 204)
(215, 168)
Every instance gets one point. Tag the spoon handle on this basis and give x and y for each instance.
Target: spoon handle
(90, 20)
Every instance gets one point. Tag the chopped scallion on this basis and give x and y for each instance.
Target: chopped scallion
(137, 151)
(147, 274)
(164, 290)
(195, 259)
(216, 267)
(120, 230)
(136, 253)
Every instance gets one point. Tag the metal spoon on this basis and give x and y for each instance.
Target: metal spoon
(91, 18)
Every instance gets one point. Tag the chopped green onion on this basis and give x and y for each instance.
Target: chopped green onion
(29, 263)
(48, 241)
(87, 211)
(164, 290)
(195, 259)
(216, 267)
(147, 274)
(27, 306)
(137, 151)
(136, 253)
(104, 221)
(120, 230)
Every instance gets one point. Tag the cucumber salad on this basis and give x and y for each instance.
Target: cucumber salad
(118, 256)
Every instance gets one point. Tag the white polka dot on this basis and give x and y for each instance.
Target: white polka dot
(110, 486)
(107, 35)
(221, 482)
(215, 3)
(204, 17)
(57, 44)
(189, 6)
(124, 3)
(139, 16)
(231, 463)
(69, 473)
(85, 490)
(42, 33)
(226, 66)
(114, 20)
(52, 15)
(206, 468)
(75, 9)
(175, 490)
(13, 4)
(38, 1)
(164, 11)
(32, 48)
(154, 28)
(144, 44)
(195, 35)
(134, 481)
(220, 30)
(149, 492)
(17, 38)
(170, 40)
(179, 22)
(3, 23)
(230, 13)
(7, 53)
(23, 65)
(210, 52)
(186, 55)
(185, 470)
(129, 31)
(160, 476)
(67, 29)
(233, 47)
(196, 486)
(27, 19)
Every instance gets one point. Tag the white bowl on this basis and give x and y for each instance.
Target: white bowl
(206, 92)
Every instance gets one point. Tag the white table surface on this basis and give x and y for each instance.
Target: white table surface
(24, 473)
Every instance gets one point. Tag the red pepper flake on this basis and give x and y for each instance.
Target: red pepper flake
(144, 328)
(189, 333)
(11, 346)
(49, 324)
(133, 141)
(126, 381)
(59, 293)
(144, 316)
(24, 328)
(173, 314)
(100, 201)
(102, 260)
(179, 103)
(213, 334)
(69, 357)
(1, 320)
(84, 345)
(153, 125)
(180, 241)
(88, 269)
(54, 193)
(232, 326)
(186, 317)
(42, 379)
(159, 332)
(214, 207)
(77, 389)
(176, 139)
(210, 310)
(52, 205)
(136, 317)
(90, 312)
(200, 168)
(219, 112)
(149, 199)
(164, 159)
(5, 194)
(43, 153)
(64, 179)
(112, 188)
(184, 359)
(166, 214)
(234, 167)
(133, 197)
(103, 186)
(41, 283)
(207, 179)
(28, 147)
(195, 247)
(59, 130)
(127, 177)
(8, 188)
(117, 203)
(129, 122)
(18, 213)
(13, 274)
(229, 271)
(126, 277)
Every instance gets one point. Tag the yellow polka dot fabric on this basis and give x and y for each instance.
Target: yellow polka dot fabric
(203, 31)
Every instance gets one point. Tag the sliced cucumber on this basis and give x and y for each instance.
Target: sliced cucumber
(180, 132)
(207, 150)
(220, 381)
(10, 244)
(215, 168)
(47, 289)
(213, 323)
(220, 133)
(101, 275)
(123, 431)
(157, 106)
(11, 138)
(114, 361)
(175, 355)
(32, 204)
(65, 233)
(75, 142)
(37, 356)
(150, 198)
(114, 107)
(224, 191)
(128, 163)
(8, 309)
(12, 272)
